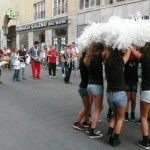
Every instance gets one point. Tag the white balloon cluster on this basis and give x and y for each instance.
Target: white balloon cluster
(116, 33)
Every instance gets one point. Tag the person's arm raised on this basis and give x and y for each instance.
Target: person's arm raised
(135, 53)
(126, 56)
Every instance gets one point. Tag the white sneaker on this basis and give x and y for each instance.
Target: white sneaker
(63, 75)
(50, 76)
(54, 76)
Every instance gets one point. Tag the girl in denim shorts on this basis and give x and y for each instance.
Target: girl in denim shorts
(85, 97)
(93, 60)
(144, 58)
(116, 95)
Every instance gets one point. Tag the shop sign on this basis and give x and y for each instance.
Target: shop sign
(44, 24)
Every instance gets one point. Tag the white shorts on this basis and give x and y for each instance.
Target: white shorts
(145, 96)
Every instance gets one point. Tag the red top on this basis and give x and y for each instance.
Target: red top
(53, 56)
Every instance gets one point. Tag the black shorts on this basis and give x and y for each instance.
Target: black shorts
(131, 88)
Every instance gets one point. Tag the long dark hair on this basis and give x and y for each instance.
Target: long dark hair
(95, 49)
(146, 50)
(114, 57)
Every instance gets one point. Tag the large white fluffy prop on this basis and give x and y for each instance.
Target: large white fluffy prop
(116, 33)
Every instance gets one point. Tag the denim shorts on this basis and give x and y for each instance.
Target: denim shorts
(116, 99)
(131, 88)
(75, 64)
(83, 92)
(145, 96)
(94, 89)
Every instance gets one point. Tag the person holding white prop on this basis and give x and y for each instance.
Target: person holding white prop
(16, 64)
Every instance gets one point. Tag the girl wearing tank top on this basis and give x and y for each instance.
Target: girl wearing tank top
(93, 60)
(116, 95)
(144, 58)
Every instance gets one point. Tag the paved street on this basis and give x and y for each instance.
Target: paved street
(38, 115)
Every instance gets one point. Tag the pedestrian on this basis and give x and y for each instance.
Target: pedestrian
(6, 57)
(131, 79)
(69, 56)
(44, 58)
(75, 58)
(35, 54)
(63, 60)
(53, 55)
(16, 64)
(115, 93)
(144, 58)
(23, 56)
(94, 60)
(84, 114)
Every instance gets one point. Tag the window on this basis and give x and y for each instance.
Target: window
(39, 10)
(60, 7)
(88, 3)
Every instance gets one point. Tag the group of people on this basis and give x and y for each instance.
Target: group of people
(121, 71)
(42, 59)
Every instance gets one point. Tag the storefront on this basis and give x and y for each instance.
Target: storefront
(38, 32)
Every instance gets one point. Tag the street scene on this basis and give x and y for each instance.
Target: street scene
(74, 74)
(39, 114)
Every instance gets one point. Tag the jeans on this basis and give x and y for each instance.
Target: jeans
(16, 74)
(23, 72)
(63, 68)
(117, 99)
(68, 72)
(52, 67)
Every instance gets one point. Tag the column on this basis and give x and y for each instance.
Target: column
(17, 41)
(48, 37)
(102, 2)
(30, 39)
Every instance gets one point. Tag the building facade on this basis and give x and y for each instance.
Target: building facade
(59, 21)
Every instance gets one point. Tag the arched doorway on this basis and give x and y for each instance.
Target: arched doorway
(9, 32)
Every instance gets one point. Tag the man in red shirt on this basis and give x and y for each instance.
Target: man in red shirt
(52, 55)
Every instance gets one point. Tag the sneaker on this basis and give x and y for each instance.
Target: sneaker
(78, 126)
(63, 75)
(54, 76)
(115, 142)
(126, 118)
(95, 134)
(132, 116)
(24, 78)
(109, 138)
(138, 122)
(50, 76)
(144, 144)
(86, 124)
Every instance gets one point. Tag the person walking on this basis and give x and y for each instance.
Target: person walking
(35, 54)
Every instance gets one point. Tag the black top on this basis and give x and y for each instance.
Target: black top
(115, 75)
(95, 69)
(22, 53)
(83, 72)
(131, 72)
(145, 61)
